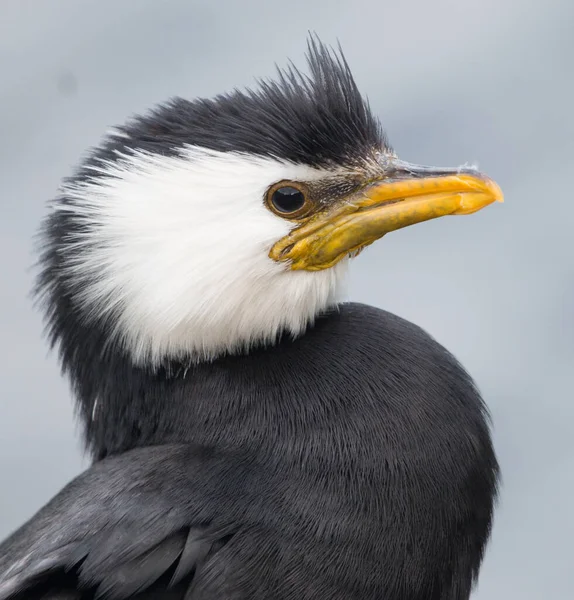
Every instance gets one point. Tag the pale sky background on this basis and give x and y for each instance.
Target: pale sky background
(490, 81)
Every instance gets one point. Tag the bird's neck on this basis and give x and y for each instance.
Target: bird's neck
(232, 401)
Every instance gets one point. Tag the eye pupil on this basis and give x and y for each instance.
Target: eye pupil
(288, 199)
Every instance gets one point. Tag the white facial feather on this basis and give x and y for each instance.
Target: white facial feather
(177, 249)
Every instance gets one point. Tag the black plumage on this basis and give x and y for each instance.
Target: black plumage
(354, 462)
(320, 119)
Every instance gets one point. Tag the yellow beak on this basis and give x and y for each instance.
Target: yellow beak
(409, 194)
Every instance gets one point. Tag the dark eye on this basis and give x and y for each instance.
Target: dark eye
(287, 200)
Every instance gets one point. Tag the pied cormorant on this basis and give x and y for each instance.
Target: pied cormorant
(253, 438)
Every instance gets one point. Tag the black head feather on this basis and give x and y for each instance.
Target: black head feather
(319, 119)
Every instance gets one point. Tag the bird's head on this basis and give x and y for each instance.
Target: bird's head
(210, 225)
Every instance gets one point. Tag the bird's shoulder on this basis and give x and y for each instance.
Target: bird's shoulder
(382, 333)
(130, 525)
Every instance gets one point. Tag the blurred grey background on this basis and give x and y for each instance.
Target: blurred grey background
(490, 81)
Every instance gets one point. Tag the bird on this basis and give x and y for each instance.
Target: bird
(252, 434)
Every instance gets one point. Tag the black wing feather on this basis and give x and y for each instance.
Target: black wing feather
(140, 573)
(123, 529)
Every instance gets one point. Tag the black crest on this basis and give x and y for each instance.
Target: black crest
(318, 119)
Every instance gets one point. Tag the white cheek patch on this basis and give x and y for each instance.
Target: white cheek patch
(176, 249)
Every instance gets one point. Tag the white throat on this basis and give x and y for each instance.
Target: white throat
(174, 250)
